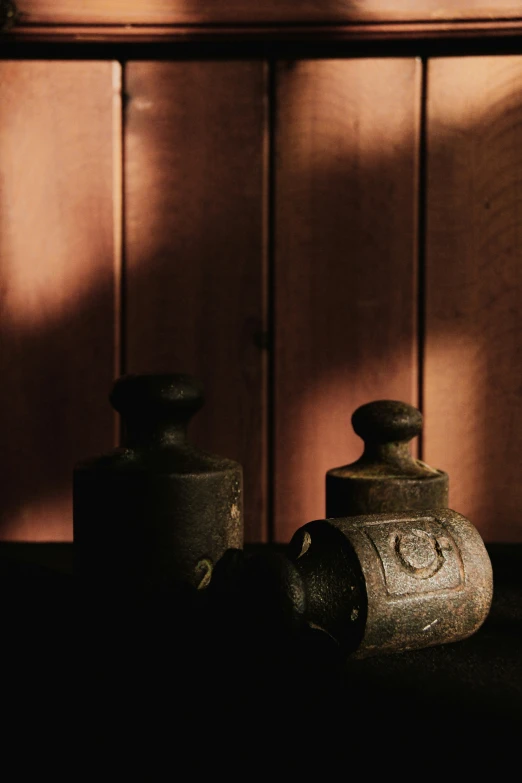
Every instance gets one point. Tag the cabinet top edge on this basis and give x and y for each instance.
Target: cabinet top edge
(262, 33)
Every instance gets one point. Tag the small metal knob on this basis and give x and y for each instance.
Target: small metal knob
(156, 408)
(387, 421)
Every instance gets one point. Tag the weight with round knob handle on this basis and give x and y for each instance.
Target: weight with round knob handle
(386, 478)
(157, 511)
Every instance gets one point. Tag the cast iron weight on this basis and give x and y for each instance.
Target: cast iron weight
(158, 512)
(386, 478)
(368, 585)
(383, 583)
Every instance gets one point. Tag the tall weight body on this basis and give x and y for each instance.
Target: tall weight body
(156, 512)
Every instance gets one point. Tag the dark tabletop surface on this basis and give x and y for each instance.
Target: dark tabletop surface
(181, 668)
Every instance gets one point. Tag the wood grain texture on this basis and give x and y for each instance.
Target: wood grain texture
(195, 173)
(58, 248)
(245, 12)
(345, 266)
(473, 376)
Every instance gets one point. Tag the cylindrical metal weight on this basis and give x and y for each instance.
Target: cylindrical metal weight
(386, 478)
(389, 582)
(158, 510)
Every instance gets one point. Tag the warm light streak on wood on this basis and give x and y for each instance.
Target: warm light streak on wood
(59, 250)
(473, 368)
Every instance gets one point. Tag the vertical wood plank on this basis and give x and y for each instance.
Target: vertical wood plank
(195, 174)
(473, 381)
(57, 268)
(345, 267)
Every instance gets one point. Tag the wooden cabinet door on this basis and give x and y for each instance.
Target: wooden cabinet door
(293, 238)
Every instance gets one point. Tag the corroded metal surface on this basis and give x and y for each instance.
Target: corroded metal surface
(157, 511)
(391, 582)
(386, 478)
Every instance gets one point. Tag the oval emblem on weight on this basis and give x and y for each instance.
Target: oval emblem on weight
(419, 553)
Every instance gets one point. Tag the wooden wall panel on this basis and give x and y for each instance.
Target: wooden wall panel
(58, 248)
(244, 11)
(195, 194)
(473, 381)
(345, 263)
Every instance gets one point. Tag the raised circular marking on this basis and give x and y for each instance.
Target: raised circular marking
(419, 553)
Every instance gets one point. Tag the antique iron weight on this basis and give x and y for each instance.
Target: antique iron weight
(157, 512)
(386, 478)
(389, 582)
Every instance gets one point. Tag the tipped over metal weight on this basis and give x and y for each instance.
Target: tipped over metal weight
(389, 582)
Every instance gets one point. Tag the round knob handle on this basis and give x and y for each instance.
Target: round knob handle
(387, 421)
(169, 395)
